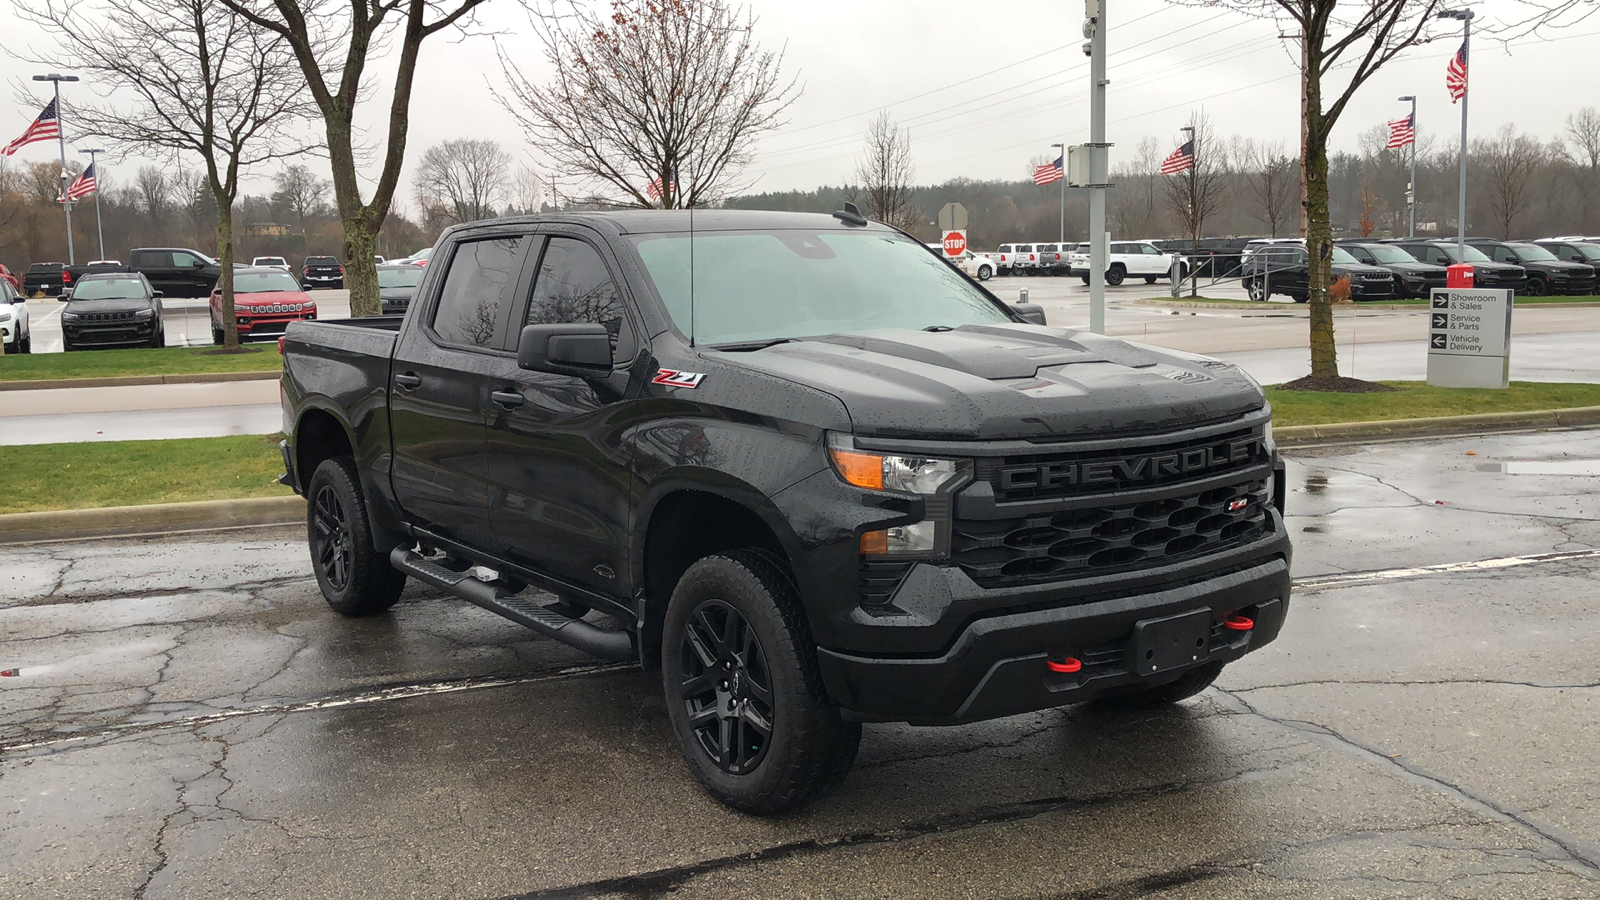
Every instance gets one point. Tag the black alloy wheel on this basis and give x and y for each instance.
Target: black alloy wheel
(1536, 286)
(331, 545)
(1115, 275)
(726, 688)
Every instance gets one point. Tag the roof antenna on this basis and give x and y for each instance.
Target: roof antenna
(851, 215)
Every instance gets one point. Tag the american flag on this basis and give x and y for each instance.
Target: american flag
(1049, 173)
(45, 128)
(84, 186)
(1455, 78)
(653, 191)
(1180, 160)
(1402, 132)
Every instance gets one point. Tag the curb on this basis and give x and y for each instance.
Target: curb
(1300, 435)
(207, 515)
(155, 518)
(45, 384)
(1158, 303)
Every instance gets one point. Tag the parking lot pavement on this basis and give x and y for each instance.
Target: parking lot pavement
(188, 719)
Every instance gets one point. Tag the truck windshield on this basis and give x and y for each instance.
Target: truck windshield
(409, 276)
(263, 282)
(759, 287)
(109, 289)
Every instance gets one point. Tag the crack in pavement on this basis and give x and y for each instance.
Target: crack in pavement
(1316, 583)
(1440, 682)
(1330, 737)
(177, 590)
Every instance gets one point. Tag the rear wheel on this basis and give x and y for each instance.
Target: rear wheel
(1188, 684)
(356, 579)
(743, 690)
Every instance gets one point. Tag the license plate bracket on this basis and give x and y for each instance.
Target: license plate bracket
(1171, 642)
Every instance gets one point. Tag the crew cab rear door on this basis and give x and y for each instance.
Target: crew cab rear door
(439, 382)
(559, 468)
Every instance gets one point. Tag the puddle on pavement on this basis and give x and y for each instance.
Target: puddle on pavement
(1311, 529)
(1544, 467)
(1316, 483)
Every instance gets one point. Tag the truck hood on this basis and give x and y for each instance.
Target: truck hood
(998, 382)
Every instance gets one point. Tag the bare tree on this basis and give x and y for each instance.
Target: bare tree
(1197, 193)
(300, 191)
(1270, 181)
(462, 180)
(155, 192)
(332, 41)
(1504, 166)
(1138, 183)
(1581, 144)
(199, 81)
(664, 92)
(885, 173)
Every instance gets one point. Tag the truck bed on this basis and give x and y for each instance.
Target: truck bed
(345, 360)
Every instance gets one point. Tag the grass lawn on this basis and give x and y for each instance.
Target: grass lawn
(141, 361)
(1364, 304)
(133, 473)
(1415, 400)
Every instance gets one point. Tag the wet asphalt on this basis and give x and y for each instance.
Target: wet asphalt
(189, 720)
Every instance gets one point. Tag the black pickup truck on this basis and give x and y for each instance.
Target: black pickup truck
(799, 467)
(174, 271)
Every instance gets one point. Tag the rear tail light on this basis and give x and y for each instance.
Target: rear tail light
(308, 270)
(341, 270)
(66, 277)
(280, 344)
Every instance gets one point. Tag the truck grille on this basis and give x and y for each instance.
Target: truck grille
(1115, 537)
(105, 317)
(1038, 476)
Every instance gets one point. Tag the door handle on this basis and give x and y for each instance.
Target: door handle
(508, 399)
(408, 381)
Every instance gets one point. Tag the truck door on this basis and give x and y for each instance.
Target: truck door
(559, 469)
(439, 385)
(156, 265)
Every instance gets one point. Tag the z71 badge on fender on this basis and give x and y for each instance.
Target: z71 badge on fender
(674, 378)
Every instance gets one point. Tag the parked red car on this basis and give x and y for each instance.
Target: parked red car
(5, 275)
(265, 300)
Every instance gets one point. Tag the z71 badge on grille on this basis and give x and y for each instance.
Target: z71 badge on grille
(675, 378)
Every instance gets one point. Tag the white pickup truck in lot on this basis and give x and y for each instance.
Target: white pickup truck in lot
(1135, 258)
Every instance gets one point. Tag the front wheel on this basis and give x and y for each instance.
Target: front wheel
(216, 335)
(985, 273)
(355, 577)
(1150, 279)
(1256, 291)
(743, 691)
(1115, 275)
(1536, 287)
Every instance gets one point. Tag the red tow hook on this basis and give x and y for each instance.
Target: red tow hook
(1066, 665)
(1236, 622)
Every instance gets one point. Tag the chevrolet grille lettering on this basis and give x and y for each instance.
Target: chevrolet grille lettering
(1048, 476)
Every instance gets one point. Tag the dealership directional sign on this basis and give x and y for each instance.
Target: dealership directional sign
(1469, 338)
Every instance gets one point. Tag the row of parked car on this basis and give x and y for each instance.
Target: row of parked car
(1136, 259)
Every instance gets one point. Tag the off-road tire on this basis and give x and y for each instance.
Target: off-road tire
(1188, 684)
(355, 577)
(810, 748)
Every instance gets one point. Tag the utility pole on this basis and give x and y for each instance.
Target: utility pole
(1063, 149)
(1094, 28)
(1465, 15)
(98, 227)
(1411, 187)
(61, 142)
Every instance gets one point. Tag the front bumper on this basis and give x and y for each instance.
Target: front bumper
(271, 324)
(996, 666)
(112, 335)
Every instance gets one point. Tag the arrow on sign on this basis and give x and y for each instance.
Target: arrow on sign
(1441, 301)
(1440, 320)
(1438, 342)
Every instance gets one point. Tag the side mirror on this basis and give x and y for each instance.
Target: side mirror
(66, 295)
(199, 265)
(580, 350)
(1032, 312)
(156, 294)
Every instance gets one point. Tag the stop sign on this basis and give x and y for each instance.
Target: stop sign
(955, 243)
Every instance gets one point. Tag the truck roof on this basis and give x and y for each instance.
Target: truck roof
(645, 221)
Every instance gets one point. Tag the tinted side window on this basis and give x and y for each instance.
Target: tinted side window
(573, 287)
(1504, 254)
(180, 259)
(477, 289)
(157, 259)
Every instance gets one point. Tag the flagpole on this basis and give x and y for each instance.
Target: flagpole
(61, 142)
(98, 227)
(1063, 148)
(1411, 186)
(1465, 15)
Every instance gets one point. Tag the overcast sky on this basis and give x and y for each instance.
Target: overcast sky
(985, 87)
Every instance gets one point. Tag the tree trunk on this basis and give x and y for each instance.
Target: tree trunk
(1319, 230)
(230, 324)
(360, 269)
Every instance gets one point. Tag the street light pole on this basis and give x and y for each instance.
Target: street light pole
(61, 142)
(1465, 15)
(98, 227)
(1411, 187)
(1099, 175)
(1063, 149)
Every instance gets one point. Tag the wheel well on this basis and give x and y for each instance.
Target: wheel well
(318, 437)
(684, 527)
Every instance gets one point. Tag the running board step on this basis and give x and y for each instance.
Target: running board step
(574, 632)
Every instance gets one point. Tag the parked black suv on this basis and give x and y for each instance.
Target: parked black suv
(116, 309)
(1586, 252)
(1547, 273)
(1286, 269)
(1486, 273)
(816, 479)
(1412, 278)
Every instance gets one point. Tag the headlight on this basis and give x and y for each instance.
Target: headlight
(69, 317)
(887, 472)
(5, 315)
(144, 314)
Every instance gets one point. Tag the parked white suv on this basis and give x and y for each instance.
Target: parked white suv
(1128, 258)
(14, 329)
(979, 265)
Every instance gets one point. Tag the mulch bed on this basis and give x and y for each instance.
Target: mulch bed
(1337, 385)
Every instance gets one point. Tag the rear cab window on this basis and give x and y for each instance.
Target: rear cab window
(478, 288)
